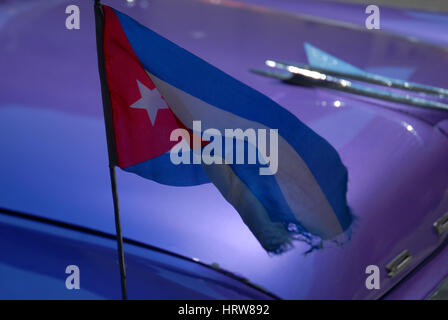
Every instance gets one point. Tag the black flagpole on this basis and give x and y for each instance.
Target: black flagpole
(99, 23)
(113, 182)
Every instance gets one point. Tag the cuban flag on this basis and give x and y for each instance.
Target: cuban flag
(152, 87)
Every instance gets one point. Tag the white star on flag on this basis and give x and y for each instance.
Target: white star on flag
(150, 100)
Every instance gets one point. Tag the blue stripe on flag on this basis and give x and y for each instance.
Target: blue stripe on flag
(162, 170)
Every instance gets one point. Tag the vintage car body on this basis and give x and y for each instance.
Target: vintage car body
(54, 185)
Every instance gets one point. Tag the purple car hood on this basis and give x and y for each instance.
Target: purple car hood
(54, 159)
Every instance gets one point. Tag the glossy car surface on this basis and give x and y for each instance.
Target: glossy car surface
(53, 160)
